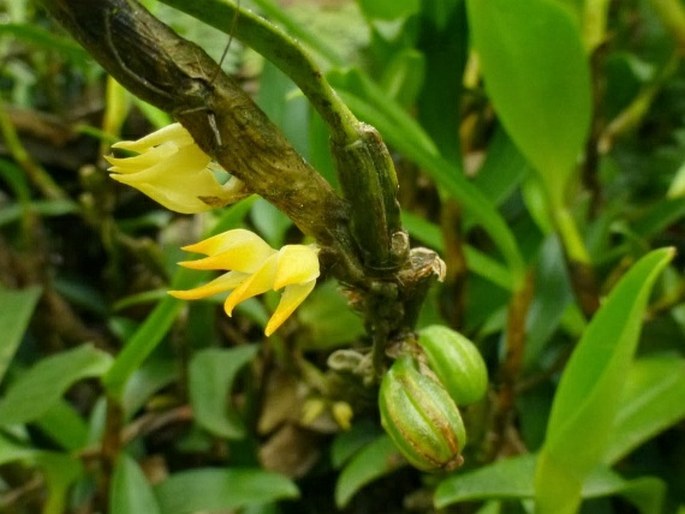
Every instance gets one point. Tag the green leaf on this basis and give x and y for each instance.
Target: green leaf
(538, 80)
(35, 392)
(211, 377)
(348, 443)
(152, 376)
(375, 460)
(389, 9)
(64, 425)
(130, 490)
(504, 479)
(328, 319)
(513, 479)
(16, 308)
(652, 401)
(220, 490)
(585, 404)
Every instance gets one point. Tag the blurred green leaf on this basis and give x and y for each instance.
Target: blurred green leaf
(45, 39)
(39, 388)
(16, 307)
(504, 479)
(219, 490)
(130, 490)
(348, 443)
(211, 375)
(512, 479)
(403, 76)
(586, 401)
(329, 320)
(64, 425)
(553, 294)
(376, 459)
(538, 79)
(271, 223)
(653, 399)
(389, 9)
(152, 376)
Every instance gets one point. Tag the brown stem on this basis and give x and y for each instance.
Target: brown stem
(511, 367)
(111, 446)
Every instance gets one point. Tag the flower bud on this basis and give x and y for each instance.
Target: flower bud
(456, 362)
(421, 418)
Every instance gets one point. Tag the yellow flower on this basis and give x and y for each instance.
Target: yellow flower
(253, 268)
(172, 170)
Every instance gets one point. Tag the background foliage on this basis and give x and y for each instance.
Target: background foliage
(539, 148)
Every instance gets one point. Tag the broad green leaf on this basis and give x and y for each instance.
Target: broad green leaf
(16, 308)
(348, 443)
(552, 295)
(211, 376)
(375, 460)
(328, 319)
(389, 9)
(37, 390)
(513, 479)
(43, 38)
(64, 425)
(653, 399)
(504, 479)
(152, 376)
(221, 490)
(590, 388)
(538, 80)
(130, 490)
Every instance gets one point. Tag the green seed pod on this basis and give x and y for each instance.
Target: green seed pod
(457, 363)
(421, 418)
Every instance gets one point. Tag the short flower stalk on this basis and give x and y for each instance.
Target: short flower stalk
(253, 268)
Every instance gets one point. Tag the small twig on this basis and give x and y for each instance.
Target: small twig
(35, 172)
(142, 426)
(511, 367)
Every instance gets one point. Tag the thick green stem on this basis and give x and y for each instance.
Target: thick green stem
(594, 23)
(570, 237)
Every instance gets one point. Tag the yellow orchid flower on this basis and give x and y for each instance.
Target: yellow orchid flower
(172, 170)
(253, 268)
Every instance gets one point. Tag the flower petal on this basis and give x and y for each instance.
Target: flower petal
(259, 282)
(225, 241)
(174, 132)
(291, 299)
(296, 264)
(225, 282)
(237, 249)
